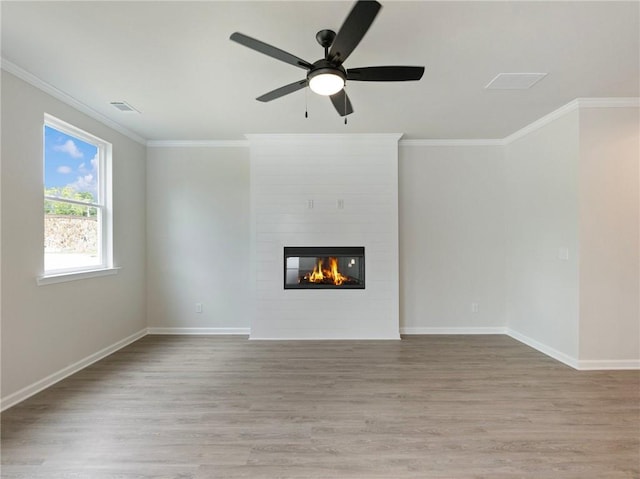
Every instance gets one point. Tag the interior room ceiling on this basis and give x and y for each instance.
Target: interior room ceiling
(174, 62)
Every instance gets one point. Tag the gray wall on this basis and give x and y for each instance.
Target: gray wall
(609, 233)
(452, 241)
(47, 328)
(198, 228)
(573, 186)
(542, 218)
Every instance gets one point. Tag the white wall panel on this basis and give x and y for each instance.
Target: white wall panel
(287, 171)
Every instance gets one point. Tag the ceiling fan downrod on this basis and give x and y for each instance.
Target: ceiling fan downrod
(325, 38)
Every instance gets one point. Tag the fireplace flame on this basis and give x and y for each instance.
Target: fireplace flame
(320, 274)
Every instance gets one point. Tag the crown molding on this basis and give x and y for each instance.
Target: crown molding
(198, 143)
(621, 102)
(452, 142)
(323, 137)
(33, 80)
(539, 123)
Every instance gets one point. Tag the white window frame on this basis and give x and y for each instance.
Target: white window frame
(103, 206)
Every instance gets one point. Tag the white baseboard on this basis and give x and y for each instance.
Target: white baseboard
(543, 348)
(608, 364)
(26, 392)
(197, 331)
(390, 338)
(492, 330)
(579, 364)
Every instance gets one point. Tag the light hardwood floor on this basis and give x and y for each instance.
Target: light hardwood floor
(441, 407)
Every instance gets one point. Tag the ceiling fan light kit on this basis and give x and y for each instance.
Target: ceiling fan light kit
(327, 76)
(326, 81)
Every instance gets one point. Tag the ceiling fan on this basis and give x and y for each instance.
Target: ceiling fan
(328, 76)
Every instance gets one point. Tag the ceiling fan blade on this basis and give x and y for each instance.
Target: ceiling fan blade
(270, 50)
(342, 103)
(283, 90)
(353, 29)
(387, 73)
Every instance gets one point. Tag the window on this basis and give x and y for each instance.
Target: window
(77, 200)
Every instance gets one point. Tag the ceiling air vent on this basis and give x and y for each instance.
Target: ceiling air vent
(514, 81)
(124, 106)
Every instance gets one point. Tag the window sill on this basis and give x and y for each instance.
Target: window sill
(74, 276)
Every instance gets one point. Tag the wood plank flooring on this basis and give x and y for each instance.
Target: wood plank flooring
(445, 407)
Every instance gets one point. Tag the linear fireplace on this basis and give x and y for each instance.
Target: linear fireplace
(309, 267)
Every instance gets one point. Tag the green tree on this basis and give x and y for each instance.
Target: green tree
(52, 207)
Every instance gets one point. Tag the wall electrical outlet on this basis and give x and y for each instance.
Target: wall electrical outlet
(198, 307)
(474, 307)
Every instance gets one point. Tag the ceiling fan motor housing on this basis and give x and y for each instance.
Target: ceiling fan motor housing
(326, 67)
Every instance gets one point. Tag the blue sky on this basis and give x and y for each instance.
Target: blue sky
(69, 161)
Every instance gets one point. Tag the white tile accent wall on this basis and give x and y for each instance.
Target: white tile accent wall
(297, 182)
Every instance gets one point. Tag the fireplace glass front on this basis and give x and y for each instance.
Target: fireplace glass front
(309, 267)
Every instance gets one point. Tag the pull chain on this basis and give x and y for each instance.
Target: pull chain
(345, 106)
(306, 107)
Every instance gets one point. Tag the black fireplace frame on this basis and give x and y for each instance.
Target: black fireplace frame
(323, 251)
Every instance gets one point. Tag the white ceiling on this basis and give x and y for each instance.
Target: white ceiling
(174, 62)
